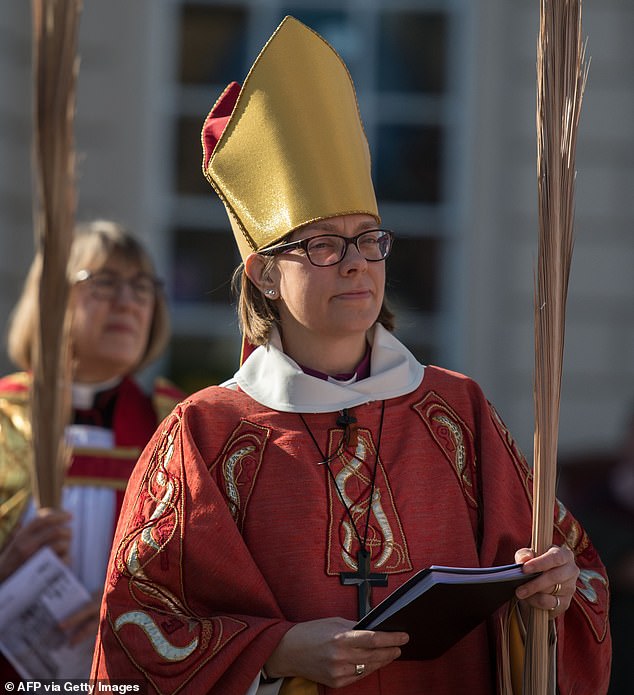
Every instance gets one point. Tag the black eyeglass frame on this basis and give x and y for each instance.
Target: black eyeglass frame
(303, 244)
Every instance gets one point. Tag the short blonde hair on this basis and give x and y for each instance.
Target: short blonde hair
(257, 315)
(93, 245)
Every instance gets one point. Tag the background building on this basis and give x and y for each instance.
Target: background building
(447, 92)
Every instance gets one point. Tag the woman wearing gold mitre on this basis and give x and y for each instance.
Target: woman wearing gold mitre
(269, 514)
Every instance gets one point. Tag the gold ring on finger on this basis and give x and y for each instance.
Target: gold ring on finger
(556, 589)
(359, 669)
(557, 604)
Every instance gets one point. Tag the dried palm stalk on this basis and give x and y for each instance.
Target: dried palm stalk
(55, 66)
(561, 79)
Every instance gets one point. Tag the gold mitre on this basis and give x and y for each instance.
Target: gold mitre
(288, 148)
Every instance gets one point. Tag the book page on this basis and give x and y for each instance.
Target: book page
(32, 602)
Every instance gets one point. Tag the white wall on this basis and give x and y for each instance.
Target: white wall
(16, 237)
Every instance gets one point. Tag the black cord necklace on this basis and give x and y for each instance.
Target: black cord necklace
(363, 578)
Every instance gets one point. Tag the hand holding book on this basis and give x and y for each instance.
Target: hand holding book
(439, 605)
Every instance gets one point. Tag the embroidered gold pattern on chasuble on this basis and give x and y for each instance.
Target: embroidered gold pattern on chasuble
(353, 472)
(590, 584)
(454, 439)
(238, 465)
(148, 555)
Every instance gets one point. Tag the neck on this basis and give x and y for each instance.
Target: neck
(97, 372)
(333, 357)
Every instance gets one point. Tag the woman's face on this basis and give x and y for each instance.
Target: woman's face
(333, 302)
(109, 336)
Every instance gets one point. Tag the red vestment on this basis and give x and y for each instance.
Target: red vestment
(135, 418)
(231, 532)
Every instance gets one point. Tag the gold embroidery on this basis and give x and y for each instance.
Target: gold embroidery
(460, 457)
(454, 439)
(160, 644)
(166, 501)
(164, 482)
(236, 468)
(231, 486)
(152, 543)
(15, 444)
(384, 526)
(163, 488)
(584, 586)
(353, 468)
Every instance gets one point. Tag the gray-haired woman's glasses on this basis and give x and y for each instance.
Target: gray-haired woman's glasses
(329, 249)
(107, 285)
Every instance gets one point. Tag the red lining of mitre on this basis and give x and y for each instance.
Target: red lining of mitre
(213, 128)
(217, 120)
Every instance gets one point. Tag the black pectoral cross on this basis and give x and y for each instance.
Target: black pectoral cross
(363, 578)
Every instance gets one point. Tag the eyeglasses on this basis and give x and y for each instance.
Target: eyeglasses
(107, 286)
(329, 249)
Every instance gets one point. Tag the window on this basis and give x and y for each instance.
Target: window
(203, 263)
(412, 52)
(408, 164)
(212, 43)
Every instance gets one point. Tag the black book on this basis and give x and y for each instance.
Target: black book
(439, 605)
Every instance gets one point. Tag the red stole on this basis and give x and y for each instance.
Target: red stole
(134, 423)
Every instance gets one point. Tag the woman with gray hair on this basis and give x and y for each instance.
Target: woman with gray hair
(119, 323)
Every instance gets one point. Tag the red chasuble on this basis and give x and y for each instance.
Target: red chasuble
(232, 531)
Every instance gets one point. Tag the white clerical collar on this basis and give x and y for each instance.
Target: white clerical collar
(273, 379)
(84, 394)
